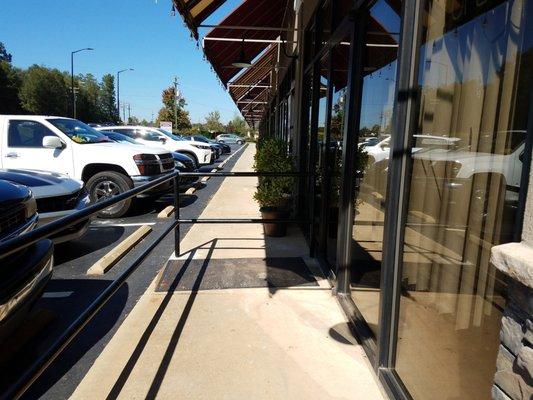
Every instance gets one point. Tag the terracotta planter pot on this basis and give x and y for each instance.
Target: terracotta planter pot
(276, 229)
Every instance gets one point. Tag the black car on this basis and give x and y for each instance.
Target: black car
(219, 147)
(226, 149)
(184, 164)
(24, 274)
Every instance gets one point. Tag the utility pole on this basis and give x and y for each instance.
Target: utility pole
(176, 99)
(123, 111)
(129, 111)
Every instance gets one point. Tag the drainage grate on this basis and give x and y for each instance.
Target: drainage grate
(275, 272)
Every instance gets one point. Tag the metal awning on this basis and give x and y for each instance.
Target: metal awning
(252, 31)
(251, 89)
(222, 45)
(195, 12)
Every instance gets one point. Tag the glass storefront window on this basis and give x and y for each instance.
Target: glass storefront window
(475, 63)
(319, 141)
(371, 159)
(339, 80)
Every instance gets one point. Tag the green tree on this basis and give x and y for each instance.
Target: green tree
(133, 121)
(10, 82)
(44, 91)
(88, 106)
(166, 113)
(212, 122)
(4, 55)
(107, 101)
(237, 125)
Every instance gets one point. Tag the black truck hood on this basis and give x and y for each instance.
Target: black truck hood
(12, 194)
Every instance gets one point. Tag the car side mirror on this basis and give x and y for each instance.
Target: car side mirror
(164, 140)
(52, 142)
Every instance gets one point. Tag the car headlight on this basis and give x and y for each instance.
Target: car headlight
(201, 146)
(31, 207)
(179, 164)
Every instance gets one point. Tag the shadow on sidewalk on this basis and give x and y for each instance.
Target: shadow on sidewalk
(163, 366)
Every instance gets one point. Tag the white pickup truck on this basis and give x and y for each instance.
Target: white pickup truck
(73, 148)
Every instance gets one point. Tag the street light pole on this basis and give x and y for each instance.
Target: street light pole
(72, 78)
(118, 88)
(176, 99)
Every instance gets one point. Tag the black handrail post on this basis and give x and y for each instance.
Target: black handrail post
(177, 215)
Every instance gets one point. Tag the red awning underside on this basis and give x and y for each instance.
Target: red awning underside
(260, 13)
(253, 85)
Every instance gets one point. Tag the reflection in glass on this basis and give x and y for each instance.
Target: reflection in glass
(339, 82)
(371, 159)
(465, 179)
(319, 143)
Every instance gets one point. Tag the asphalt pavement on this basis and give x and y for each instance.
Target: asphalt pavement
(71, 290)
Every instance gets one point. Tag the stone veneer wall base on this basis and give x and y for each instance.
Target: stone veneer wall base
(514, 367)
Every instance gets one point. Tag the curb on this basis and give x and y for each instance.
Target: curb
(165, 212)
(115, 255)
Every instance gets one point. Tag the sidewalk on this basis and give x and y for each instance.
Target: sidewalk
(238, 316)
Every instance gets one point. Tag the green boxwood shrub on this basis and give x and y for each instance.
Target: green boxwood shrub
(271, 156)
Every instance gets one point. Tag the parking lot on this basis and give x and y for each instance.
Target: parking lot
(72, 289)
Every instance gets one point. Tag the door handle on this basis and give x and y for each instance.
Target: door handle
(12, 155)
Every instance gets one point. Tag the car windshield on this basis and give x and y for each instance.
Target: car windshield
(150, 136)
(119, 137)
(201, 139)
(78, 132)
(170, 135)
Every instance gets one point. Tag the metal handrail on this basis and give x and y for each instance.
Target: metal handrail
(179, 221)
(24, 382)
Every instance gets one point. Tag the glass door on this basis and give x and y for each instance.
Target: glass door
(474, 85)
(371, 160)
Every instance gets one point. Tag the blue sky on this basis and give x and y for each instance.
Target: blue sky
(140, 34)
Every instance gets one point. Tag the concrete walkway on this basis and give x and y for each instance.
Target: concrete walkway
(210, 328)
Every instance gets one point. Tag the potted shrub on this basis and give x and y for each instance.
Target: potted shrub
(273, 193)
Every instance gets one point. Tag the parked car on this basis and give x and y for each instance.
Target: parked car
(215, 154)
(182, 162)
(24, 274)
(152, 137)
(444, 166)
(71, 147)
(57, 196)
(378, 151)
(224, 148)
(229, 138)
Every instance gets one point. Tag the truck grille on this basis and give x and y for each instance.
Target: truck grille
(60, 203)
(167, 162)
(12, 219)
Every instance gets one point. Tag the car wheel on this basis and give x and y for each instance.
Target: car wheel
(240, 142)
(192, 156)
(105, 185)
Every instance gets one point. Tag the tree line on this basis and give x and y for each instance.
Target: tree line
(47, 91)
